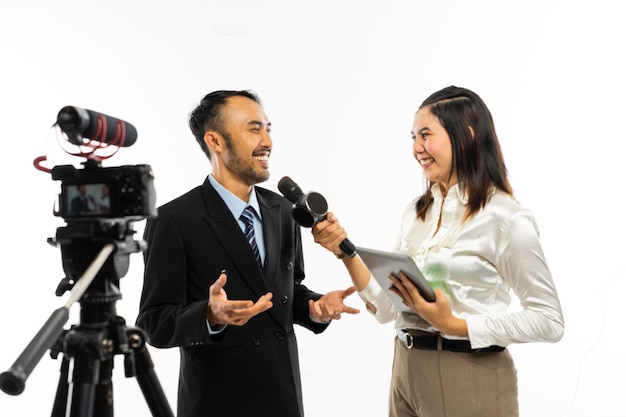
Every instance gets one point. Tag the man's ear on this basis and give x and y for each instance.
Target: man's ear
(213, 140)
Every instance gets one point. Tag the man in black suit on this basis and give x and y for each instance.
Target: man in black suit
(204, 290)
(83, 204)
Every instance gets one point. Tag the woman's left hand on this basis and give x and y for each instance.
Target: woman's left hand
(438, 313)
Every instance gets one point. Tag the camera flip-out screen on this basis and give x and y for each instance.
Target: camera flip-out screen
(86, 200)
(97, 193)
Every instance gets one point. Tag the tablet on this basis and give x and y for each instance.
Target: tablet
(382, 264)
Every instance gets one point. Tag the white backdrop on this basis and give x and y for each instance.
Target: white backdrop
(340, 81)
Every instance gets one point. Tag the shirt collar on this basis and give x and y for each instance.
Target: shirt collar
(454, 192)
(235, 204)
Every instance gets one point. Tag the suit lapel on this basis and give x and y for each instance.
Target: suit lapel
(271, 215)
(271, 232)
(227, 231)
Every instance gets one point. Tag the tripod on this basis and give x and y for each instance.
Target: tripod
(100, 335)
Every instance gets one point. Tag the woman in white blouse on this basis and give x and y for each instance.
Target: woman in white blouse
(475, 244)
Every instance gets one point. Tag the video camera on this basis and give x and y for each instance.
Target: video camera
(99, 204)
(95, 192)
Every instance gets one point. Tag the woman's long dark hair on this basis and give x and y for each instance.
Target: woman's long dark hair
(476, 155)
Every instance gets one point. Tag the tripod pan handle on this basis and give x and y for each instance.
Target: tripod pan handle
(13, 381)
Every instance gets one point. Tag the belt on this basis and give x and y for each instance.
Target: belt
(432, 341)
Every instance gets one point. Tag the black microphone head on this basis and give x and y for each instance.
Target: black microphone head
(316, 203)
(290, 189)
(80, 123)
(73, 121)
(310, 209)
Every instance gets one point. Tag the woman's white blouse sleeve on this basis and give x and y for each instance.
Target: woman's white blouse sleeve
(521, 263)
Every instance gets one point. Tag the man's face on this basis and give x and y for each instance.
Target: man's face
(247, 140)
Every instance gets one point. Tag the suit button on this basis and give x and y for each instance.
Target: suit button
(289, 266)
(256, 342)
(280, 337)
(285, 299)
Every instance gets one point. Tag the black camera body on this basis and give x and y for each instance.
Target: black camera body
(95, 192)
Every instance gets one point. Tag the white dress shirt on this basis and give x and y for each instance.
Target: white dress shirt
(477, 263)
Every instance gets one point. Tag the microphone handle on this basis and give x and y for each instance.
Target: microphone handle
(348, 248)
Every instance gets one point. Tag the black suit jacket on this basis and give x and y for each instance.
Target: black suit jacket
(79, 206)
(249, 370)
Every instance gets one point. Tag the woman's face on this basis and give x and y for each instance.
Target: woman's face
(432, 148)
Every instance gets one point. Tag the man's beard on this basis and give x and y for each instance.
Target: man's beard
(241, 167)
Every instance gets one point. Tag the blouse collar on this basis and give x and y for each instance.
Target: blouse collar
(454, 192)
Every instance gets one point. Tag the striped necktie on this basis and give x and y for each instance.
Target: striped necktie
(247, 217)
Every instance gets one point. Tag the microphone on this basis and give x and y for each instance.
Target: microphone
(309, 209)
(80, 123)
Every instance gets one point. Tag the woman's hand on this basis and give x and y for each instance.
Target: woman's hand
(329, 234)
(438, 313)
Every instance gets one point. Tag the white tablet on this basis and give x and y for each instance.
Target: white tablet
(382, 264)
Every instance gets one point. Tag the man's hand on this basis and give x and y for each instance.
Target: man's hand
(330, 305)
(220, 310)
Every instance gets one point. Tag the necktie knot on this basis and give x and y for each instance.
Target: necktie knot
(247, 217)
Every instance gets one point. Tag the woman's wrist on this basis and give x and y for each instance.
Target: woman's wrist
(455, 327)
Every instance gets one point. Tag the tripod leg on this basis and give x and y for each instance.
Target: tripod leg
(103, 405)
(85, 378)
(146, 377)
(60, 400)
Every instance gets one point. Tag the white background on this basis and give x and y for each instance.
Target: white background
(340, 81)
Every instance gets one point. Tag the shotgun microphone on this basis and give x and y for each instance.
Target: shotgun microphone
(309, 209)
(80, 123)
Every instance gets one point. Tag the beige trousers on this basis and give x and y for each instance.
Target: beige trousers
(435, 383)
